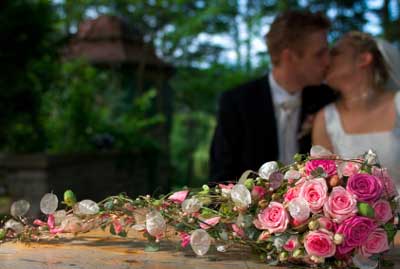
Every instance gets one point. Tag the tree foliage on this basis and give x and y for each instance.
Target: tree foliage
(211, 44)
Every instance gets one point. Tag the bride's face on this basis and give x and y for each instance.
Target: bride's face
(343, 65)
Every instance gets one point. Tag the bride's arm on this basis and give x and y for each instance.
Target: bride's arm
(319, 134)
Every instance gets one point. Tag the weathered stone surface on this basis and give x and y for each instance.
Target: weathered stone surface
(99, 250)
(90, 176)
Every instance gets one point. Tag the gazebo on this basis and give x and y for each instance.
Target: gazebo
(106, 42)
(110, 42)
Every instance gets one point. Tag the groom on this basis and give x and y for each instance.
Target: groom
(270, 118)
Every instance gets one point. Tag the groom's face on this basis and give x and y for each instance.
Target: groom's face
(313, 62)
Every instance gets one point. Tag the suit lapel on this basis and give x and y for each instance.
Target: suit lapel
(264, 106)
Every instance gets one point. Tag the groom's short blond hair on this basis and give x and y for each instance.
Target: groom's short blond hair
(290, 29)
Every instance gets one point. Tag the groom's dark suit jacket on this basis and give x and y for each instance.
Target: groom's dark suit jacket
(246, 132)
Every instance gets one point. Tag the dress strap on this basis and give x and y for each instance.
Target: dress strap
(397, 106)
(397, 102)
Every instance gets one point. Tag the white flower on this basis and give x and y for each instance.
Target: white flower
(267, 169)
(318, 151)
(191, 205)
(370, 157)
(241, 196)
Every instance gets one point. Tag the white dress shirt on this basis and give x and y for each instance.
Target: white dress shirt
(287, 113)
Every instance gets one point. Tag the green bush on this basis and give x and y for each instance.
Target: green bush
(87, 110)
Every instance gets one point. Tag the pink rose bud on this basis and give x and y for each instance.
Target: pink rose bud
(117, 226)
(389, 189)
(338, 239)
(291, 244)
(383, 211)
(264, 236)
(179, 196)
(313, 225)
(291, 194)
(258, 193)
(185, 239)
(326, 223)
(348, 169)
(208, 223)
(334, 181)
(51, 222)
(238, 231)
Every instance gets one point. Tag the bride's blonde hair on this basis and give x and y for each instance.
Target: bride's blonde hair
(363, 42)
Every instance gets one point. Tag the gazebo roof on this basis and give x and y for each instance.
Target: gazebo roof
(109, 40)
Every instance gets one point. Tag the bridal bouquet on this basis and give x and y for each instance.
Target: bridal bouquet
(321, 210)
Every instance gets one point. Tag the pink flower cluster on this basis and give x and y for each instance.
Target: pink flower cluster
(343, 208)
(320, 210)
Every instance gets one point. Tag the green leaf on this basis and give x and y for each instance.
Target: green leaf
(109, 205)
(365, 210)
(69, 198)
(123, 233)
(299, 157)
(318, 172)
(2, 234)
(390, 231)
(152, 247)
(112, 230)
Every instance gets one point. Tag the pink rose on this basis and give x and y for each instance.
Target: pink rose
(320, 244)
(389, 188)
(178, 196)
(329, 166)
(376, 243)
(208, 223)
(314, 191)
(185, 239)
(383, 211)
(258, 193)
(356, 231)
(226, 189)
(274, 218)
(326, 223)
(239, 231)
(365, 187)
(291, 244)
(348, 169)
(291, 194)
(228, 186)
(340, 205)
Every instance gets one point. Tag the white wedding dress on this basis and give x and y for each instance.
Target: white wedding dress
(385, 144)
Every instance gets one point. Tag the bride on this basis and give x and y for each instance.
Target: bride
(366, 73)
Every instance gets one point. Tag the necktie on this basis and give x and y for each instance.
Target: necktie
(288, 134)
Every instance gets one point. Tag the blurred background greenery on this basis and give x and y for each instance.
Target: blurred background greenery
(51, 103)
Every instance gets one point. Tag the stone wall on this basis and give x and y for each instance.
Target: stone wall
(90, 176)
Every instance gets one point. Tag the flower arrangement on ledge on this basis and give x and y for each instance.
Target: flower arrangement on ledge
(321, 210)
